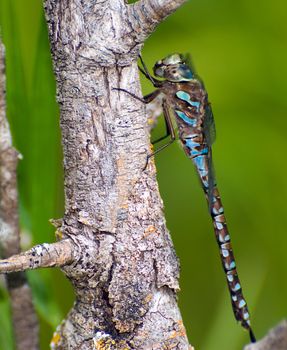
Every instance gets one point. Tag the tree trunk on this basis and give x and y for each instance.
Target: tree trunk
(126, 272)
(113, 243)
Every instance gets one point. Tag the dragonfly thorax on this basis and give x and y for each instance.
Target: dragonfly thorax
(173, 68)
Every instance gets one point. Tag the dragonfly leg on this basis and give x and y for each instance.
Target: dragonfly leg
(170, 132)
(147, 74)
(161, 138)
(146, 99)
(167, 133)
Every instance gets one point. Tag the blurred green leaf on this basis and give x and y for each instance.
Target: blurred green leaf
(6, 337)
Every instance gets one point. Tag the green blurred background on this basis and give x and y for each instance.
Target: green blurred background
(239, 50)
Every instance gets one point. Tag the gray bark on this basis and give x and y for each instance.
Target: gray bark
(126, 272)
(113, 242)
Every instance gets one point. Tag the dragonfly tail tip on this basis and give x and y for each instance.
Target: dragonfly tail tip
(252, 336)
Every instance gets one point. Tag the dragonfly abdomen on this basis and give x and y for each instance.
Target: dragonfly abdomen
(239, 304)
(198, 151)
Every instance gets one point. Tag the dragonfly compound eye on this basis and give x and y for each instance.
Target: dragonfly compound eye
(185, 72)
(159, 70)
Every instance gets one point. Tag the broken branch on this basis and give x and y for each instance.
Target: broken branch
(42, 255)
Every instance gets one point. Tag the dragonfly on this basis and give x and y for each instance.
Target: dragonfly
(185, 99)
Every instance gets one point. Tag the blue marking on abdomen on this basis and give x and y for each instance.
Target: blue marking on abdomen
(199, 162)
(186, 97)
(195, 152)
(189, 143)
(191, 122)
(196, 105)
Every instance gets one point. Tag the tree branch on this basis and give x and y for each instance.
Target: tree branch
(276, 339)
(126, 279)
(25, 328)
(115, 247)
(42, 255)
(147, 14)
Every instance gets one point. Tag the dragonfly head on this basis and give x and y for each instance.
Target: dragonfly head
(173, 68)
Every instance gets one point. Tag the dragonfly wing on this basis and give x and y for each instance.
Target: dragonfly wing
(154, 110)
(209, 134)
(188, 61)
(209, 126)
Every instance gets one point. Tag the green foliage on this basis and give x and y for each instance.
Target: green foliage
(238, 49)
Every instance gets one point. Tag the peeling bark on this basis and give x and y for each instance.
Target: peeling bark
(25, 323)
(113, 243)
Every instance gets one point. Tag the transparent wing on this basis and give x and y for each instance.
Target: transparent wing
(209, 125)
(188, 61)
(154, 110)
(210, 134)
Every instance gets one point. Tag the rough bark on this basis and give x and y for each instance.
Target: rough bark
(276, 339)
(127, 272)
(24, 318)
(113, 242)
